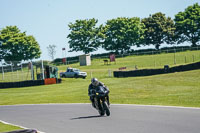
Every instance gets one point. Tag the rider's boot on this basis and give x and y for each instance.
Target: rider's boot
(93, 105)
(108, 101)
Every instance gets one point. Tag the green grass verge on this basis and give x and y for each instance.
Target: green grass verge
(176, 89)
(7, 128)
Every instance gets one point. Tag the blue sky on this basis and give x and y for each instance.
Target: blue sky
(47, 20)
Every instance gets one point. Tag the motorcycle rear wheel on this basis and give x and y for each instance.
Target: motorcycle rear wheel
(102, 113)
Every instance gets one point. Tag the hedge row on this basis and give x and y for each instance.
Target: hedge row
(26, 83)
(149, 72)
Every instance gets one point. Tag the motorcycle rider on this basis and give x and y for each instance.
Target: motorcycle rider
(94, 84)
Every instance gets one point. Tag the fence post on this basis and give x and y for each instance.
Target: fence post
(32, 71)
(91, 74)
(17, 75)
(12, 71)
(2, 70)
(174, 56)
(42, 70)
(185, 60)
(109, 73)
(193, 58)
(22, 72)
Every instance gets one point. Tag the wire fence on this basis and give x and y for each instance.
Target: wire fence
(151, 52)
(154, 61)
(176, 59)
(20, 71)
(12, 71)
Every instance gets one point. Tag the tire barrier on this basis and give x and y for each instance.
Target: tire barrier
(50, 81)
(58, 80)
(149, 72)
(26, 83)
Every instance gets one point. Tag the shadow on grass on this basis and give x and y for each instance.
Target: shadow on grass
(86, 117)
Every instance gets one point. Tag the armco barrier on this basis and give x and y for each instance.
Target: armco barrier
(25, 83)
(21, 84)
(149, 72)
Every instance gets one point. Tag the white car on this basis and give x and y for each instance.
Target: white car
(73, 73)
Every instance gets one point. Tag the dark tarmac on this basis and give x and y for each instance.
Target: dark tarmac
(82, 118)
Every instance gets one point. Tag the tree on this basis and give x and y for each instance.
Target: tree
(159, 29)
(84, 36)
(188, 25)
(51, 51)
(122, 33)
(17, 46)
(1, 50)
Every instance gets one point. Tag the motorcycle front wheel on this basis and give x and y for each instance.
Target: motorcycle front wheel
(105, 105)
(101, 109)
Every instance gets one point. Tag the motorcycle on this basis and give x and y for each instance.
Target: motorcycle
(101, 101)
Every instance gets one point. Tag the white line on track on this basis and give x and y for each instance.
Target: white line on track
(18, 126)
(139, 105)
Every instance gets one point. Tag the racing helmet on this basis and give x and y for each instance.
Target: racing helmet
(95, 81)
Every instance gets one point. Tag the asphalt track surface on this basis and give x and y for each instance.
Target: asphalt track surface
(82, 118)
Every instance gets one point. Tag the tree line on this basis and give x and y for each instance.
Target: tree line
(119, 34)
(116, 35)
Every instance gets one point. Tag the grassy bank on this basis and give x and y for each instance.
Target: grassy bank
(177, 89)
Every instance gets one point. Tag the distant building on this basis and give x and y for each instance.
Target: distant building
(85, 60)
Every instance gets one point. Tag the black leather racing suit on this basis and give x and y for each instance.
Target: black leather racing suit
(92, 87)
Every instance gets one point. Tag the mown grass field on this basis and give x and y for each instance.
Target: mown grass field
(176, 89)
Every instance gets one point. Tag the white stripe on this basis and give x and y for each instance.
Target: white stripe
(160, 106)
(18, 126)
(43, 104)
(140, 105)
